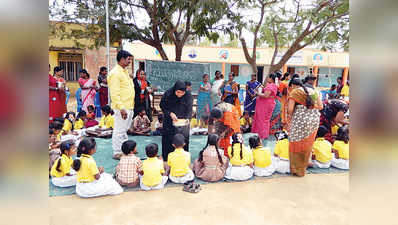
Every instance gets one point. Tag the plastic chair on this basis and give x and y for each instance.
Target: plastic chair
(79, 103)
(97, 105)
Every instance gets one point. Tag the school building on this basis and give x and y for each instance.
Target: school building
(326, 65)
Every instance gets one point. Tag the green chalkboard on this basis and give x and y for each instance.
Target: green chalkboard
(163, 74)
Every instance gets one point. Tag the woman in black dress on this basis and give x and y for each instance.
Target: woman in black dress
(142, 94)
(176, 103)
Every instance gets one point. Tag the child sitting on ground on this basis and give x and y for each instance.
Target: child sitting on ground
(141, 124)
(201, 127)
(90, 119)
(61, 173)
(246, 123)
(263, 165)
(92, 181)
(179, 161)
(158, 126)
(281, 153)
(332, 92)
(104, 130)
(154, 176)
(54, 140)
(129, 167)
(241, 160)
(80, 118)
(322, 150)
(69, 123)
(341, 149)
(194, 122)
(212, 163)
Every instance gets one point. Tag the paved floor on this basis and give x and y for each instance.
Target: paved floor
(316, 199)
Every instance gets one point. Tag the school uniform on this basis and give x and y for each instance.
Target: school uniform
(87, 186)
(152, 178)
(59, 178)
(263, 165)
(323, 153)
(210, 168)
(179, 161)
(343, 162)
(239, 169)
(282, 163)
(107, 121)
(67, 125)
(79, 124)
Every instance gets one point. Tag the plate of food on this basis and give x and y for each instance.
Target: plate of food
(181, 123)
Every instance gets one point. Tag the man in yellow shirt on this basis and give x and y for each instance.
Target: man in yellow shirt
(121, 88)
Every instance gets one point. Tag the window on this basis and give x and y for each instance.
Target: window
(328, 76)
(71, 63)
(235, 69)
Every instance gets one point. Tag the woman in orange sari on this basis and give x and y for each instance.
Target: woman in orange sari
(225, 119)
(303, 108)
(283, 89)
(230, 92)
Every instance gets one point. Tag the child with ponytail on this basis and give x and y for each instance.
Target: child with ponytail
(263, 165)
(341, 149)
(61, 172)
(212, 163)
(241, 160)
(92, 181)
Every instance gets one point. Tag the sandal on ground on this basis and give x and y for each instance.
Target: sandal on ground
(191, 187)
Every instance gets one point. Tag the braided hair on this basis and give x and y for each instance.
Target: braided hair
(85, 146)
(235, 140)
(212, 140)
(65, 146)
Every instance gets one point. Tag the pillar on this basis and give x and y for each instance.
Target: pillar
(223, 69)
(345, 75)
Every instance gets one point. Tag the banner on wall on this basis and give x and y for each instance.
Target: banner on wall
(223, 54)
(296, 58)
(317, 58)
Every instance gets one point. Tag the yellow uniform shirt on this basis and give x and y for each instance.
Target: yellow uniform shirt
(342, 148)
(107, 121)
(282, 148)
(235, 160)
(121, 88)
(66, 164)
(88, 168)
(67, 125)
(153, 169)
(322, 150)
(243, 121)
(345, 91)
(262, 157)
(179, 161)
(79, 124)
(194, 123)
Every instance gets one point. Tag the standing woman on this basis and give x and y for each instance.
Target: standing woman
(250, 100)
(142, 94)
(264, 107)
(283, 89)
(103, 83)
(303, 113)
(176, 103)
(215, 92)
(61, 83)
(88, 89)
(204, 100)
(231, 90)
(56, 105)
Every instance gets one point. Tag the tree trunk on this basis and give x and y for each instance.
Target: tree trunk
(178, 49)
(283, 60)
(162, 52)
(253, 64)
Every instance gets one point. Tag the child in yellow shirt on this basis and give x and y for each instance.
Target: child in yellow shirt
(263, 165)
(107, 120)
(80, 118)
(69, 123)
(61, 172)
(246, 123)
(341, 149)
(241, 160)
(281, 153)
(154, 176)
(322, 150)
(179, 161)
(92, 181)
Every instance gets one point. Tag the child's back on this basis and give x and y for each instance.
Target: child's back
(342, 148)
(235, 159)
(262, 157)
(322, 150)
(153, 169)
(179, 161)
(282, 149)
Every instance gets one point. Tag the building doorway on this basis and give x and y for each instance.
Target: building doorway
(260, 73)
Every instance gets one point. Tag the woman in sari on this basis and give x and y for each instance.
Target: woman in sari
(230, 93)
(265, 105)
(143, 91)
(224, 119)
(56, 105)
(303, 108)
(215, 92)
(61, 84)
(283, 89)
(250, 100)
(88, 89)
(204, 100)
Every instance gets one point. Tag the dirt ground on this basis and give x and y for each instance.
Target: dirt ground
(316, 199)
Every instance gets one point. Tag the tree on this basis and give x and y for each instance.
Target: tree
(152, 22)
(322, 23)
(254, 27)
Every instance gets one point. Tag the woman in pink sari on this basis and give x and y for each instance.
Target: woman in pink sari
(265, 105)
(88, 89)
